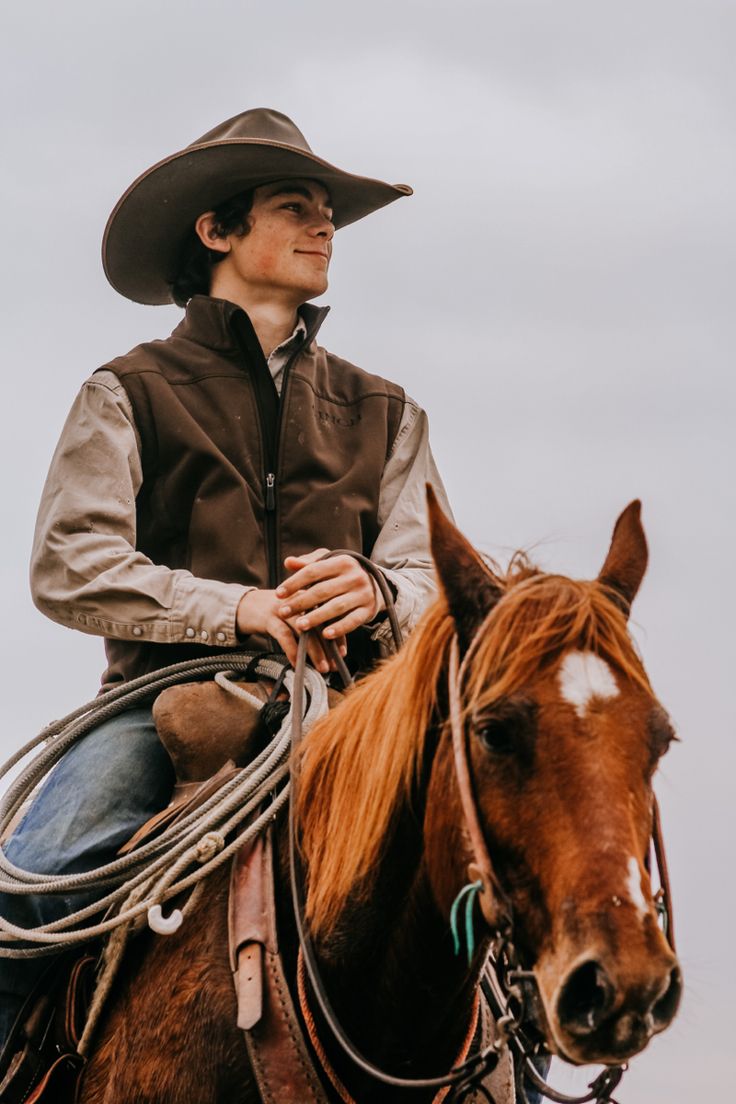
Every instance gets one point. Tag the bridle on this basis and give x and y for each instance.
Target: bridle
(507, 987)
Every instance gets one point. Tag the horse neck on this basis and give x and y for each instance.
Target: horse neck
(400, 993)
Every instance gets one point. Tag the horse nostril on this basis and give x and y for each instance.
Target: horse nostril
(663, 1010)
(586, 998)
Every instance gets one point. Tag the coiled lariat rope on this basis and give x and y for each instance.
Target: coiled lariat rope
(183, 853)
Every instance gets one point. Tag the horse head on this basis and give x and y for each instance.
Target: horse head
(563, 734)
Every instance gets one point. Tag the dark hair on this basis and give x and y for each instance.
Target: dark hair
(197, 261)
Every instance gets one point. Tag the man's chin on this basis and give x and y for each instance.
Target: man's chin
(314, 291)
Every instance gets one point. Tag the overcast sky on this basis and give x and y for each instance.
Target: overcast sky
(558, 294)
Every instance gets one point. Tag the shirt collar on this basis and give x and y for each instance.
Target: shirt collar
(297, 335)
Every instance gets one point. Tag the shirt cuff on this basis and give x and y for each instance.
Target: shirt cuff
(204, 612)
(405, 602)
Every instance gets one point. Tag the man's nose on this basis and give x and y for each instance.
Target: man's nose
(323, 228)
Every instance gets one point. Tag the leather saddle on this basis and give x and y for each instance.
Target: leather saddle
(209, 734)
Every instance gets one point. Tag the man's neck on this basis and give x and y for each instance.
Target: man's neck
(272, 319)
(273, 324)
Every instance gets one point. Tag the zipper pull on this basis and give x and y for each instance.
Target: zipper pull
(270, 491)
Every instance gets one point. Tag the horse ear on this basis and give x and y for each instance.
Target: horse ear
(627, 557)
(469, 586)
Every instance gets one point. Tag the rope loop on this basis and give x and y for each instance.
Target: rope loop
(131, 889)
(209, 846)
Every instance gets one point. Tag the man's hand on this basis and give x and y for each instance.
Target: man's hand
(258, 613)
(336, 591)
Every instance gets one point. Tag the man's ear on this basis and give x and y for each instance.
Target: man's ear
(206, 230)
(471, 590)
(627, 557)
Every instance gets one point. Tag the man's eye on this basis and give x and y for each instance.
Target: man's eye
(292, 206)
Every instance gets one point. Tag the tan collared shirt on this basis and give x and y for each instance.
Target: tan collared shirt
(87, 574)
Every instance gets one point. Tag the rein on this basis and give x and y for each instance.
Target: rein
(474, 1067)
(326, 1064)
(503, 981)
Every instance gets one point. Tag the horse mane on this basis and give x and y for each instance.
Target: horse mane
(362, 761)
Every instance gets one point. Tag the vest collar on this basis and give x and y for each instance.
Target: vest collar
(214, 323)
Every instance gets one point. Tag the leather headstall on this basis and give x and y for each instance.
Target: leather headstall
(494, 903)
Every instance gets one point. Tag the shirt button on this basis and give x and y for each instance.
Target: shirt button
(220, 636)
(190, 633)
(204, 634)
(137, 631)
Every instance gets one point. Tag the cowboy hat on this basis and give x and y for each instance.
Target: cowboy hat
(145, 234)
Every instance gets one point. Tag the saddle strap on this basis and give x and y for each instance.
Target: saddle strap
(40, 1063)
(278, 1052)
(276, 1047)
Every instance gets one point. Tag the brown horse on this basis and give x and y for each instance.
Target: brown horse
(564, 736)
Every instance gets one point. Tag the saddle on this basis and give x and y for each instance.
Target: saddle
(209, 734)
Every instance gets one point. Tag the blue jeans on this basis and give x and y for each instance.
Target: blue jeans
(103, 789)
(542, 1064)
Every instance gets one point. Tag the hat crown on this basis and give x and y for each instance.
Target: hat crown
(259, 124)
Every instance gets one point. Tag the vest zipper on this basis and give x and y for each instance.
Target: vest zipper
(270, 520)
(270, 491)
(270, 409)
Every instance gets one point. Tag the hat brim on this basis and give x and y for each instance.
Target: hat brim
(141, 247)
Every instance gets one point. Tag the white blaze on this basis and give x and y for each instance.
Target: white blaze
(584, 676)
(633, 884)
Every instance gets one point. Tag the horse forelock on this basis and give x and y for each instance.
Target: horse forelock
(361, 763)
(539, 618)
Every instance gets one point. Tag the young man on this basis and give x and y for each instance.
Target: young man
(199, 479)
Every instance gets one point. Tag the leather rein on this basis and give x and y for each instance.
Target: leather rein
(504, 981)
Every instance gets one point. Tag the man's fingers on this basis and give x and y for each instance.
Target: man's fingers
(307, 576)
(291, 563)
(281, 632)
(307, 599)
(342, 646)
(328, 611)
(347, 624)
(317, 655)
(344, 566)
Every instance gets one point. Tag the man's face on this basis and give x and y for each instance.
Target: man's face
(287, 249)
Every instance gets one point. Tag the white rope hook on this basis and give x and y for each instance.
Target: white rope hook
(164, 925)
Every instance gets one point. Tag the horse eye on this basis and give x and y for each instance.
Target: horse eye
(507, 728)
(496, 736)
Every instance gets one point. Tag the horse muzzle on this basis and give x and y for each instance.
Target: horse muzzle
(605, 1009)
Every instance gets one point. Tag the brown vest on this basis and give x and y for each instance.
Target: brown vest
(234, 479)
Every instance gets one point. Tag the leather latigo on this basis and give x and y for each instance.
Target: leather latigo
(276, 1046)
